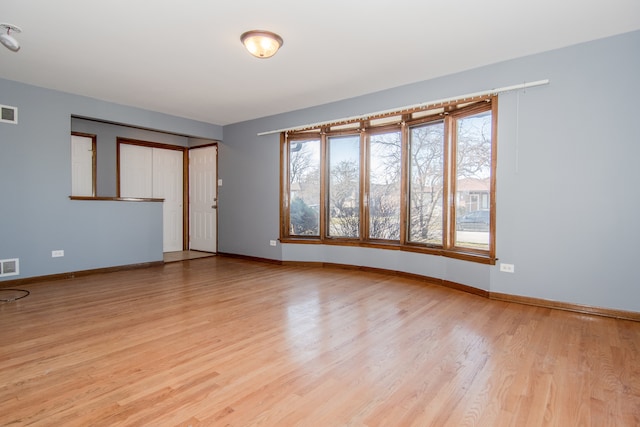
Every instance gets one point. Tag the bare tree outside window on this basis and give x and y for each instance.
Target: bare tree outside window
(426, 154)
(473, 173)
(304, 188)
(344, 186)
(385, 156)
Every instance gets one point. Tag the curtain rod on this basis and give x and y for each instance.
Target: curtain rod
(408, 107)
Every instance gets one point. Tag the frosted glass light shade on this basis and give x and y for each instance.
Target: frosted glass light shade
(261, 44)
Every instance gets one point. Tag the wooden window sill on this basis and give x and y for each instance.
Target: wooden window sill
(116, 199)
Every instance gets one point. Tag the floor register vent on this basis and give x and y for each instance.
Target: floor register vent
(9, 267)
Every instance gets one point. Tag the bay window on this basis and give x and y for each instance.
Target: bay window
(420, 180)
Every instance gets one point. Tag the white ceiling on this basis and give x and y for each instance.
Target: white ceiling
(185, 57)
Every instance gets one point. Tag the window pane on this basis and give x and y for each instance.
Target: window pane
(426, 153)
(344, 186)
(384, 186)
(304, 188)
(473, 183)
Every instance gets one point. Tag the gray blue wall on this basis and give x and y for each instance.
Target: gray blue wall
(567, 177)
(566, 185)
(36, 215)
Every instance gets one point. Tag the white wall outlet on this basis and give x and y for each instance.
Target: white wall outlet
(57, 254)
(220, 182)
(507, 268)
(273, 243)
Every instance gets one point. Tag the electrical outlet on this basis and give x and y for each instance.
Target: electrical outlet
(57, 254)
(507, 268)
(273, 243)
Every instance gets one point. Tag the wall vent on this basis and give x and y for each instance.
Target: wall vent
(9, 267)
(8, 114)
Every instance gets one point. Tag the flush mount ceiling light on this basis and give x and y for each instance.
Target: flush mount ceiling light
(6, 39)
(261, 44)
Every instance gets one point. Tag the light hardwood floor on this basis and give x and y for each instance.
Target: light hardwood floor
(228, 342)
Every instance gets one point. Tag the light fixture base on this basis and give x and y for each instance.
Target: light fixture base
(10, 27)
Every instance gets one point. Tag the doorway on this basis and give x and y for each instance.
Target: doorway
(180, 176)
(203, 198)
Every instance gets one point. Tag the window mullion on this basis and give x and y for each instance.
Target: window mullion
(492, 191)
(284, 186)
(449, 180)
(364, 182)
(405, 166)
(324, 187)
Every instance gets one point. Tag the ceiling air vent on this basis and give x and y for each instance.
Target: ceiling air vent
(9, 267)
(9, 114)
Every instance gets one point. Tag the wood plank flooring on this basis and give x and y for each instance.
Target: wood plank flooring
(227, 342)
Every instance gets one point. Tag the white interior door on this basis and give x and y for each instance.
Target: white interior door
(150, 172)
(203, 199)
(81, 165)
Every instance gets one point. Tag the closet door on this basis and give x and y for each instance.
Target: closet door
(136, 171)
(148, 172)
